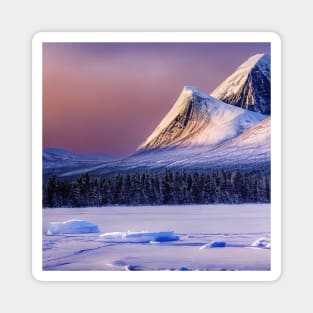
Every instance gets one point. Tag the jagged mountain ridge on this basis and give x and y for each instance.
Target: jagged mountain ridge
(201, 132)
(198, 119)
(249, 87)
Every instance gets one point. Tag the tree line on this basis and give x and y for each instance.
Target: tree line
(168, 187)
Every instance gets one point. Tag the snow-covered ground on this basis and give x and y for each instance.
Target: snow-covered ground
(239, 226)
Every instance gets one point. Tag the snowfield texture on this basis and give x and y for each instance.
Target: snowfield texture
(238, 226)
(249, 87)
(72, 227)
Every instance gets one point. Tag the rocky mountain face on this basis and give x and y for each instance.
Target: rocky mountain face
(249, 87)
(197, 119)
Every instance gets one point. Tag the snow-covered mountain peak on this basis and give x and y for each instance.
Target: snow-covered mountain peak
(251, 62)
(199, 119)
(249, 87)
(194, 91)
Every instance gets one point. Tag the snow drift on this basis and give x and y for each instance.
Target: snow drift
(72, 227)
(139, 237)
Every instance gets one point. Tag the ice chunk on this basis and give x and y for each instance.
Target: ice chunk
(112, 237)
(214, 244)
(151, 236)
(262, 242)
(141, 237)
(72, 227)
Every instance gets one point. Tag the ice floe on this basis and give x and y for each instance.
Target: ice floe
(140, 237)
(72, 227)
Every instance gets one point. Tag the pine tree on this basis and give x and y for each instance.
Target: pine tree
(167, 187)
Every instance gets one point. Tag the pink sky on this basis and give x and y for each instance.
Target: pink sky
(108, 97)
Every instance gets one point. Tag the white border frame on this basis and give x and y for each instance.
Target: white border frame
(42, 37)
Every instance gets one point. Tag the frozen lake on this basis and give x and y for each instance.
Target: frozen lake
(238, 225)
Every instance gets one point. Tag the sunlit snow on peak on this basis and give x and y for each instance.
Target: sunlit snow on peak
(199, 119)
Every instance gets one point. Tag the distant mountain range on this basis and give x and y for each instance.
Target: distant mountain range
(58, 160)
(62, 155)
(230, 127)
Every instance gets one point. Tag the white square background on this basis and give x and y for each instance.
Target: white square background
(20, 20)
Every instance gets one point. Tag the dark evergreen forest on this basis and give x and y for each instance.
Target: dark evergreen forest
(151, 188)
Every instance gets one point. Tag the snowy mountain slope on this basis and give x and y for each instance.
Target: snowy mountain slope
(258, 137)
(249, 87)
(250, 149)
(197, 119)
